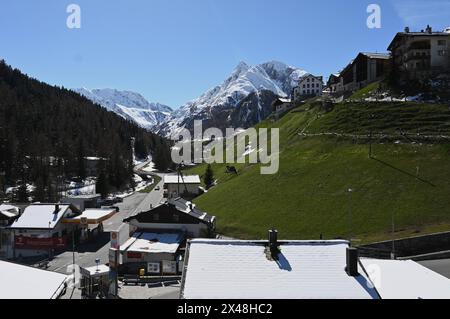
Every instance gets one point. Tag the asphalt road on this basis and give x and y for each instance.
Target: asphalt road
(85, 255)
(441, 266)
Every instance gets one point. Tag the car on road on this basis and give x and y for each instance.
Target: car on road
(157, 188)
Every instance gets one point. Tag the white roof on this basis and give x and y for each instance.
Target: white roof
(8, 207)
(23, 282)
(9, 211)
(189, 179)
(406, 279)
(153, 243)
(40, 216)
(95, 215)
(222, 269)
(97, 271)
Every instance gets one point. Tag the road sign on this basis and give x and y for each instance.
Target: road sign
(115, 239)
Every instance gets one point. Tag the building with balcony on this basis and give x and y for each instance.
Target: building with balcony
(420, 55)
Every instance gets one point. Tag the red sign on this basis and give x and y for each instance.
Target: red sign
(134, 255)
(36, 243)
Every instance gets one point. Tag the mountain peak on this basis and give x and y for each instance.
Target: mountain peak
(245, 80)
(128, 104)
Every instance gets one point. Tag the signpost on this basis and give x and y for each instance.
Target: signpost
(113, 265)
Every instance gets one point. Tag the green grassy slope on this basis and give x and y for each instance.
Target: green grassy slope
(309, 196)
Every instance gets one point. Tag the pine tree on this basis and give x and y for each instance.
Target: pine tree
(208, 178)
(102, 185)
(22, 193)
(39, 192)
(80, 160)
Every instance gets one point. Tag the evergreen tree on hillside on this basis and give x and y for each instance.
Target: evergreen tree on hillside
(39, 122)
(80, 160)
(161, 157)
(102, 186)
(208, 178)
(22, 194)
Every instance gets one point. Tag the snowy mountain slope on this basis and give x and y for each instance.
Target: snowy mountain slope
(129, 105)
(211, 107)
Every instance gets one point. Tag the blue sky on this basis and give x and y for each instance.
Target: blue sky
(171, 51)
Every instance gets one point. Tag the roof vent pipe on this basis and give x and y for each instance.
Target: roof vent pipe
(56, 209)
(352, 262)
(273, 243)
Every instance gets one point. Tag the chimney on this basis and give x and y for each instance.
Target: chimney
(56, 209)
(273, 243)
(191, 207)
(406, 29)
(352, 262)
(429, 29)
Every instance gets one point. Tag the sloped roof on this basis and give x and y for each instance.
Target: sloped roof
(23, 282)
(184, 206)
(178, 205)
(9, 211)
(42, 216)
(153, 242)
(229, 269)
(416, 34)
(406, 279)
(384, 56)
(188, 179)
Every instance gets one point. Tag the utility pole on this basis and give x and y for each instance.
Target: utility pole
(73, 254)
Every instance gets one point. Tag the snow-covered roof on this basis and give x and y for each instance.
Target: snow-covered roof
(153, 243)
(41, 216)
(23, 282)
(189, 179)
(406, 279)
(83, 196)
(230, 269)
(93, 216)
(96, 270)
(384, 56)
(190, 208)
(9, 211)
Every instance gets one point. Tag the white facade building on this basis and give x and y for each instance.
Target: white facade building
(178, 186)
(308, 85)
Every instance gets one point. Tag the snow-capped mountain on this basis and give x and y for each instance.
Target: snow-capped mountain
(130, 105)
(218, 106)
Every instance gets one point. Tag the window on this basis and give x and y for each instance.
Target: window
(156, 217)
(307, 86)
(442, 42)
(317, 85)
(307, 80)
(304, 85)
(442, 52)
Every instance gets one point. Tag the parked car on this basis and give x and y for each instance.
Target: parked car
(157, 188)
(118, 199)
